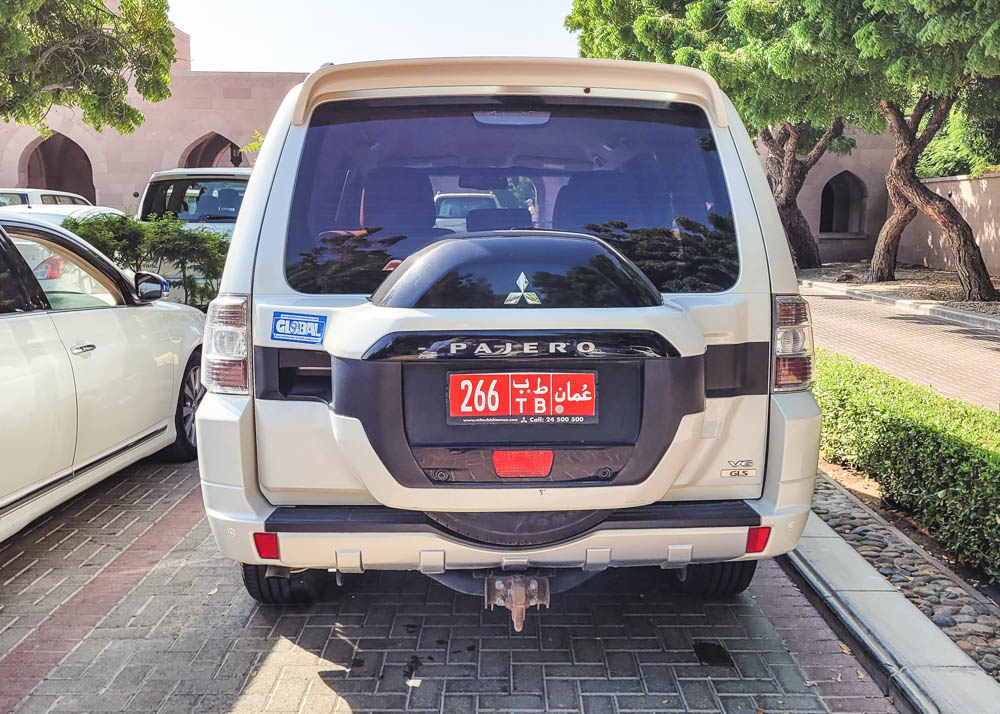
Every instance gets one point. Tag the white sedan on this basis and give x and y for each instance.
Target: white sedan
(94, 373)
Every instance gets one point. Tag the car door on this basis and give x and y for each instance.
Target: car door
(120, 352)
(37, 396)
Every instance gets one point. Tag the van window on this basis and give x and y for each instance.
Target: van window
(195, 200)
(647, 180)
(13, 199)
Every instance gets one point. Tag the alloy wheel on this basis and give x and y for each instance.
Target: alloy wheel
(191, 397)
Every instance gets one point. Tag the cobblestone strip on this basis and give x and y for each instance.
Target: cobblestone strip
(964, 614)
(112, 527)
(188, 638)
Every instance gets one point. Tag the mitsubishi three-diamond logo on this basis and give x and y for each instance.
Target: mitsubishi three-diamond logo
(515, 297)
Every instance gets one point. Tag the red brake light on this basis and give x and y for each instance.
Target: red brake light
(757, 538)
(793, 371)
(522, 464)
(267, 545)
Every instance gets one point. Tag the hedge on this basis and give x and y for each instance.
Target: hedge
(938, 458)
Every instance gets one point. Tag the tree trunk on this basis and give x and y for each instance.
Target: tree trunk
(883, 267)
(972, 274)
(787, 169)
(805, 252)
(904, 186)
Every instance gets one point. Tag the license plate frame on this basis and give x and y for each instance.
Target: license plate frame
(511, 409)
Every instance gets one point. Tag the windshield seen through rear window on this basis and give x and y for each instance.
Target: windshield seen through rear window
(379, 180)
(195, 200)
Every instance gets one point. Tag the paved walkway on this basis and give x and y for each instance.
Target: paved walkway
(960, 362)
(119, 601)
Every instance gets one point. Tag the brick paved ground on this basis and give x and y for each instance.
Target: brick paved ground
(188, 638)
(960, 362)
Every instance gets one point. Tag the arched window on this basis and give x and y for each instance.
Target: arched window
(60, 164)
(211, 150)
(842, 205)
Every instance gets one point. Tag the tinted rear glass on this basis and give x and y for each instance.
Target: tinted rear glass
(195, 200)
(647, 180)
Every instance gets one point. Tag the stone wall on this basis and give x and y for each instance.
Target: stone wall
(978, 200)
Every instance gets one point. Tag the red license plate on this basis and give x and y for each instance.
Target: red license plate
(522, 398)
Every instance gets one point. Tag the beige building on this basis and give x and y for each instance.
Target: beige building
(205, 121)
(211, 114)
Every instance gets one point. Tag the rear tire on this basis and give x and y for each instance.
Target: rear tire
(520, 529)
(714, 579)
(185, 446)
(293, 590)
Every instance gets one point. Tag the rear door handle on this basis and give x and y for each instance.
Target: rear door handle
(82, 349)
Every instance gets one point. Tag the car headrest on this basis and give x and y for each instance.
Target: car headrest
(597, 197)
(229, 199)
(207, 204)
(491, 219)
(397, 197)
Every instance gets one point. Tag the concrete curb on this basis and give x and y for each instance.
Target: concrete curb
(917, 307)
(922, 665)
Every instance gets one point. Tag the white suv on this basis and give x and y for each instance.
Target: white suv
(614, 373)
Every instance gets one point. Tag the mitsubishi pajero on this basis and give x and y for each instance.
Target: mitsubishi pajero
(610, 370)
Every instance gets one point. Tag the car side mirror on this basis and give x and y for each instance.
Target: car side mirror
(149, 286)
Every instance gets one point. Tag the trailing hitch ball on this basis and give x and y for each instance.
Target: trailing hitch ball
(517, 593)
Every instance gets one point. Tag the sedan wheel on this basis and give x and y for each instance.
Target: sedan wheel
(185, 446)
(191, 396)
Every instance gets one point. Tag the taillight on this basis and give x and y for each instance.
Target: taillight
(793, 344)
(225, 367)
(50, 268)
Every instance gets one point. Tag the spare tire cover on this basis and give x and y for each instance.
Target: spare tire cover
(521, 527)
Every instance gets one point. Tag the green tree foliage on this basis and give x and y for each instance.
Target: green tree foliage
(918, 59)
(794, 94)
(165, 245)
(965, 145)
(81, 54)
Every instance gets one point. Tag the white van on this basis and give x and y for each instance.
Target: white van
(209, 197)
(621, 381)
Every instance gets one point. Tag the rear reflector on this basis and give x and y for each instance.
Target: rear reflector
(267, 545)
(522, 464)
(793, 372)
(757, 538)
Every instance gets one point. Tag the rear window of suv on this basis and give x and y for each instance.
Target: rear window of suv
(646, 180)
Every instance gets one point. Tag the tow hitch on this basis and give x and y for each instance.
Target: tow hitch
(517, 593)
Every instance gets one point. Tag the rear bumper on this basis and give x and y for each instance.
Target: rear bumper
(404, 541)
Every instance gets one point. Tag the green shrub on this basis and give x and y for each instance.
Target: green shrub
(121, 238)
(163, 245)
(937, 457)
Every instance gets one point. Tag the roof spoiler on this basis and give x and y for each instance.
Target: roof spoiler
(510, 75)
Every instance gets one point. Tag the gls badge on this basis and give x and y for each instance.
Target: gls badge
(296, 327)
(742, 468)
